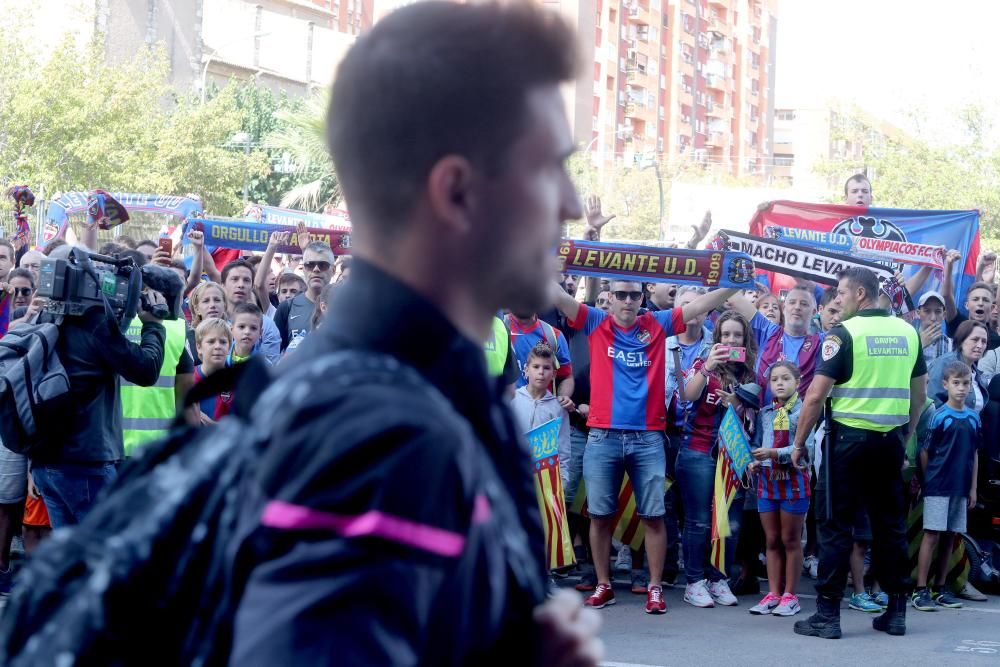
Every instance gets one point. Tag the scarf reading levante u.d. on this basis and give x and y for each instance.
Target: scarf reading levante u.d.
(712, 268)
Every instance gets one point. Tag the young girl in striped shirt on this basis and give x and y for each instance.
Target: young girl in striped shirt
(782, 490)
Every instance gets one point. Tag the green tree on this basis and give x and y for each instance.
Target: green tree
(920, 173)
(301, 134)
(74, 122)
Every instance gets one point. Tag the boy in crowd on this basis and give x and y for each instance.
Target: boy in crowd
(829, 312)
(534, 405)
(978, 302)
(950, 463)
(526, 331)
(214, 340)
(247, 324)
(931, 308)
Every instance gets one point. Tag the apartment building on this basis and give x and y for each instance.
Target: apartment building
(678, 79)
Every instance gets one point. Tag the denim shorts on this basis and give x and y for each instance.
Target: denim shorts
(800, 506)
(610, 453)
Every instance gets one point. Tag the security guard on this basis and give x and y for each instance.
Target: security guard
(873, 371)
(500, 362)
(148, 412)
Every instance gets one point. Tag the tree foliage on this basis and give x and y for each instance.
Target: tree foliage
(921, 172)
(74, 122)
(301, 135)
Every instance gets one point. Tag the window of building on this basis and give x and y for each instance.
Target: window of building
(785, 114)
(688, 22)
(783, 160)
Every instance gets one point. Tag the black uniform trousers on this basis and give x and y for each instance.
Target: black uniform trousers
(862, 469)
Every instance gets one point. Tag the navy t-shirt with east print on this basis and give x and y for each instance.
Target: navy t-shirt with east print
(955, 437)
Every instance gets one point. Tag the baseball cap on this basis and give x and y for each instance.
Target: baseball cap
(929, 294)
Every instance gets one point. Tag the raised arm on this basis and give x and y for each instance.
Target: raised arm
(917, 280)
(948, 285)
(742, 305)
(260, 278)
(196, 239)
(563, 302)
(706, 303)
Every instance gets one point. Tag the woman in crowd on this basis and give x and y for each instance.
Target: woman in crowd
(970, 346)
(769, 306)
(711, 387)
(208, 300)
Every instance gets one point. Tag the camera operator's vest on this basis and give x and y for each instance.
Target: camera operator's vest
(877, 395)
(148, 412)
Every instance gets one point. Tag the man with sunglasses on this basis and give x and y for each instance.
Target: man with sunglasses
(295, 315)
(627, 419)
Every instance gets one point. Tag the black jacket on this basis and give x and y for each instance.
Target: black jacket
(384, 460)
(95, 352)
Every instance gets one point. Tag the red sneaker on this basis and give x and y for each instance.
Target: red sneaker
(601, 597)
(654, 601)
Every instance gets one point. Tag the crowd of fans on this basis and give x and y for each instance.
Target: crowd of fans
(235, 308)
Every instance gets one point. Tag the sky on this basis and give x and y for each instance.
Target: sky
(891, 58)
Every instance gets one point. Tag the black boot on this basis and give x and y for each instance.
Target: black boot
(893, 620)
(824, 623)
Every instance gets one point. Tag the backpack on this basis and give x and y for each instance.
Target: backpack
(34, 386)
(547, 332)
(146, 577)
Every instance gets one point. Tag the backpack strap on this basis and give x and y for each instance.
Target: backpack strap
(552, 340)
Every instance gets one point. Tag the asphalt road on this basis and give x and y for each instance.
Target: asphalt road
(686, 635)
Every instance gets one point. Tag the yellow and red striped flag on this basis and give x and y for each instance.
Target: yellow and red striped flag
(543, 441)
(628, 526)
(726, 486)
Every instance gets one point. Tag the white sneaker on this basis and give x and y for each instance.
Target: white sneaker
(810, 566)
(623, 562)
(789, 606)
(719, 590)
(766, 605)
(969, 592)
(697, 595)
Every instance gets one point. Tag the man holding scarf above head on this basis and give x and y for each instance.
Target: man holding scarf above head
(794, 342)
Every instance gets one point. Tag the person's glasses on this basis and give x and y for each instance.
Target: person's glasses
(622, 296)
(312, 266)
(602, 302)
(21, 291)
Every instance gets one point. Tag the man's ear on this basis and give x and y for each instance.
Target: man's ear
(450, 192)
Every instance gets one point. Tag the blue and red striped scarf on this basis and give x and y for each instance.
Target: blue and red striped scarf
(783, 482)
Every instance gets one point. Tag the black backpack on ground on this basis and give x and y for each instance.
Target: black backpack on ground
(145, 578)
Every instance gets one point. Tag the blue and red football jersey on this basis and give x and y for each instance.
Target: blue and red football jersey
(524, 339)
(627, 368)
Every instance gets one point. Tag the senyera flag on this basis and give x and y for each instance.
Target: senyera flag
(957, 230)
(542, 442)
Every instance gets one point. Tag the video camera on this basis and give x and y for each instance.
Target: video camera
(88, 280)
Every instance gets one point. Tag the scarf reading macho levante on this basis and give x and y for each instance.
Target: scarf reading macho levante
(614, 261)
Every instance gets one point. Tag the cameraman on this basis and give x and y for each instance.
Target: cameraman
(81, 453)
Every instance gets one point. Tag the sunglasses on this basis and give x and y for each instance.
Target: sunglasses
(322, 266)
(622, 295)
(21, 291)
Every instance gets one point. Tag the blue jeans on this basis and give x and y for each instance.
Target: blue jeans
(696, 477)
(612, 452)
(578, 444)
(69, 490)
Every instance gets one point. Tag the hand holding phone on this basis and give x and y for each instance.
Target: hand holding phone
(167, 245)
(737, 353)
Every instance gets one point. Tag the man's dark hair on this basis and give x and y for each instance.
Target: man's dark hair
(857, 177)
(286, 278)
(7, 244)
(110, 248)
(829, 294)
(981, 285)
(127, 241)
(956, 369)
(21, 273)
(435, 79)
(253, 260)
(149, 242)
(237, 264)
(52, 245)
(248, 308)
(859, 276)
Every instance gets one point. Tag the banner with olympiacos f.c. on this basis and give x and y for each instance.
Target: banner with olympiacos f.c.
(254, 236)
(614, 261)
(543, 444)
(914, 233)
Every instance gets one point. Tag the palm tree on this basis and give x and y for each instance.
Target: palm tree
(301, 137)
